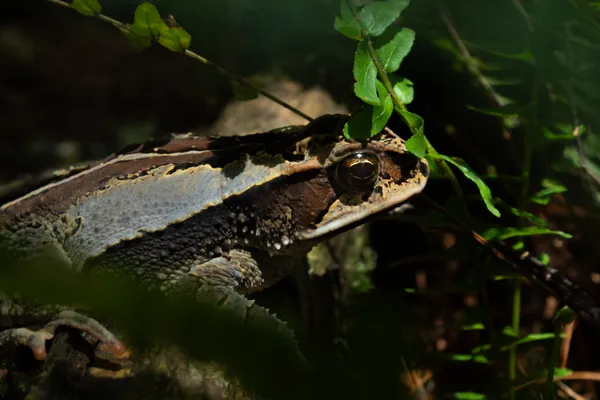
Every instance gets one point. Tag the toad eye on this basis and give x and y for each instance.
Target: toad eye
(358, 171)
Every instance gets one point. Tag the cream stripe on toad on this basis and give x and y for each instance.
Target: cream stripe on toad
(159, 199)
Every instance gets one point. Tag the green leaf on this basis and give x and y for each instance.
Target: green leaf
(509, 331)
(146, 21)
(473, 318)
(509, 232)
(533, 337)
(175, 39)
(88, 8)
(417, 144)
(548, 134)
(569, 129)
(469, 396)
(242, 92)
(550, 188)
(477, 326)
(346, 24)
(359, 125)
(393, 46)
(518, 245)
(560, 372)
(404, 90)
(509, 110)
(470, 358)
(523, 54)
(482, 348)
(376, 17)
(484, 190)
(565, 316)
(523, 214)
(383, 111)
(365, 74)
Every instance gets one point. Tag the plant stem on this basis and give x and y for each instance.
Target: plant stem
(242, 81)
(399, 106)
(525, 174)
(512, 352)
(468, 59)
(553, 359)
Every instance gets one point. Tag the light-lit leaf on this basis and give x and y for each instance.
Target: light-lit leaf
(484, 190)
(508, 277)
(416, 144)
(561, 372)
(346, 24)
(482, 348)
(359, 124)
(470, 358)
(473, 318)
(477, 326)
(365, 74)
(175, 39)
(146, 21)
(533, 337)
(509, 232)
(393, 46)
(550, 188)
(518, 245)
(469, 396)
(383, 111)
(377, 16)
(86, 7)
(403, 89)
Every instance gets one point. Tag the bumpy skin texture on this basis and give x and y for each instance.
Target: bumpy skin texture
(252, 228)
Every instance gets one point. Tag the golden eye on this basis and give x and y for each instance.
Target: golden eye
(358, 171)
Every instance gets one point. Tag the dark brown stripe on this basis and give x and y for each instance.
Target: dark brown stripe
(56, 199)
(222, 151)
(272, 141)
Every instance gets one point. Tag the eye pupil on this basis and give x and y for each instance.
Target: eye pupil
(362, 169)
(358, 171)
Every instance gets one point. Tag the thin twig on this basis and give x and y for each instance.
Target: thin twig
(524, 263)
(591, 180)
(242, 81)
(575, 376)
(468, 59)
(526, 17)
